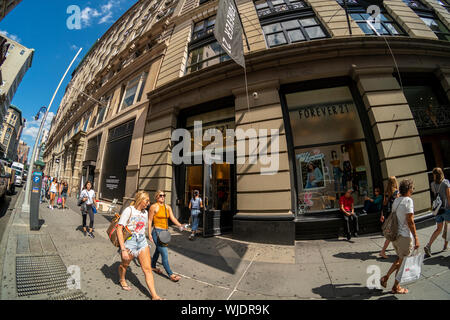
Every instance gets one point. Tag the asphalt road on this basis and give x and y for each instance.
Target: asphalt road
(6, 208)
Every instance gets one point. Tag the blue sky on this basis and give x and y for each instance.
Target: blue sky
(42, 25)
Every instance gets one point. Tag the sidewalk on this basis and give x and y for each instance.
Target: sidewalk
(217, 268)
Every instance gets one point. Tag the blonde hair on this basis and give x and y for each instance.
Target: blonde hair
(392, 185)
(140, 197)
(157, 194)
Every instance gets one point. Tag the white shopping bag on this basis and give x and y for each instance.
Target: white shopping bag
(410, 268)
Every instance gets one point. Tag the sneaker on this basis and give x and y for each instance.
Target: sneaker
(355, 235)
(427, 250)
(191, 237)
(349, 237)
(91, 235)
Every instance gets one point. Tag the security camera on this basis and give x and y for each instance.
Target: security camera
(255, 95)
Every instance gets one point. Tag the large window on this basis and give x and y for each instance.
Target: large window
(134, 90)
(288, 21)
(429, 18)
(330, 148)
(204, 50)
(383, 24)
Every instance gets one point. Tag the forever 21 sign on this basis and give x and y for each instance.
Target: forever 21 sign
(228, 31)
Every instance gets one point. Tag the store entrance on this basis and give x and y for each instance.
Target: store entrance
(216, 187)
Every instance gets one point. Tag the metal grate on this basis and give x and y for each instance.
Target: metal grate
(40, 274)
(77, 295)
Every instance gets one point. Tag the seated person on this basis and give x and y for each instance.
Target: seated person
(372, 205)
(346, 204)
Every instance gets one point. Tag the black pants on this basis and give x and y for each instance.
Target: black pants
(91, 216)
(354, 220)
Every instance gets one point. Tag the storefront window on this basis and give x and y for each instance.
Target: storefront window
(330, 149)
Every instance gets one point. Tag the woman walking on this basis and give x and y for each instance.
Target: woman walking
(195, 205)
(64, 190)
(135, 218)
(407, 239)
(160, 213)
(389, 198)
(53, 192)
(88, 197)
(440, 186)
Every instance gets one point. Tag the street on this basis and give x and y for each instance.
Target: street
(6, 208)
(217, 268)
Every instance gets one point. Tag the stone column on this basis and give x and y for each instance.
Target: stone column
(398, 142)
(263, 201)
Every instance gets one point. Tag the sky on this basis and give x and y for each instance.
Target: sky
(43, 26)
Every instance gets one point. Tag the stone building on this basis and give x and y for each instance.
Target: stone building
(353, 102)
(6, 6)
(11, 131)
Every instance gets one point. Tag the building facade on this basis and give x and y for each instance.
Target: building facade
(22, 152)
(11, 131)
(18, 60)
(350, 103)
(6, 6)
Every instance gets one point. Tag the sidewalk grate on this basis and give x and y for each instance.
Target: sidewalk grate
(40, 274)
(78, 295)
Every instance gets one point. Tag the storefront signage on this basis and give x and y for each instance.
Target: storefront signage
(324, 110)
(228, 31)
(112, 183)
(308, 157)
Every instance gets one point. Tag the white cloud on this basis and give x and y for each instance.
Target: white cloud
(11, 36)
(32, 127)
(74, 47)
(104, 13)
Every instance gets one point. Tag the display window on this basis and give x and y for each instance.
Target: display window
(329, 148)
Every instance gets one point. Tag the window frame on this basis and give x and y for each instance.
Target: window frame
(290, 5)
(141, 79)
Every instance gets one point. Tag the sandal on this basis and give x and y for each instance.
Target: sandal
(157, 271)
(383, 255)
(175, 278)
(383, 283)
(399, 290)
(125, 287)
(157, 298)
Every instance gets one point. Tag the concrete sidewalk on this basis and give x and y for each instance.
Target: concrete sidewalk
(217, 268)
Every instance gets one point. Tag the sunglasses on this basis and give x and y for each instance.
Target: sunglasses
(162, 196)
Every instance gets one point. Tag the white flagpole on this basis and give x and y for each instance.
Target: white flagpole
(26, 200)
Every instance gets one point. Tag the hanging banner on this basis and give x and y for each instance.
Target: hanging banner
(228, 31)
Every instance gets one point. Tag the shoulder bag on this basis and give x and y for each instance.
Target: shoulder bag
(437, 202)
(390, 226)
(112, 231)
(164, 235)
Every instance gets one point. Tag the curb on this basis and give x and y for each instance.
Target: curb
(5, 238)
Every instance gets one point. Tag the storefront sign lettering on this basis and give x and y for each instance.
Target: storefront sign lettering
(323, 111)
(112, 183)
(308, 157)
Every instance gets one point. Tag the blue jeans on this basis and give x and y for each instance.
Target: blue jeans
(443, 217)
(195, 213)
(160, 250)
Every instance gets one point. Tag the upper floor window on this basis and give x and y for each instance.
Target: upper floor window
(429, 18)
(288, 21)
(383, 24)
(204, 50)
(133, 90)
(272, 7)
(445, 4)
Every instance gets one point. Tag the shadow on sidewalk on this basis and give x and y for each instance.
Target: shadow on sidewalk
(440, 260)
(112, 273)
(364, 256)
(217, 253)
(346, 292)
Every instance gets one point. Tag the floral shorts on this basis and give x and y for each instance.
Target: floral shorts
(136, 244)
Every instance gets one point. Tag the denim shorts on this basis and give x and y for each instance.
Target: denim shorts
(445, 216)
(136, 244)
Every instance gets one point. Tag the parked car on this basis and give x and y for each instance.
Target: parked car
(4, 181)
(18, 167)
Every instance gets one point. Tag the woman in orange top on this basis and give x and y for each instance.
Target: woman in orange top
(159, 215)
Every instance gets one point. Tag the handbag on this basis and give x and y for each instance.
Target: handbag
(112, 231)
(164, 236)
(411, 268)
(437, 203)
(59, 200)
(390, 226)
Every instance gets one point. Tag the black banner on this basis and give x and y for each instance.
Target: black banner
(228, 31)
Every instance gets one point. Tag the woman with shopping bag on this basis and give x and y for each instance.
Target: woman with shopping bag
(407, 239)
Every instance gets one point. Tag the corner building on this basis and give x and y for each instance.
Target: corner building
(351, 110)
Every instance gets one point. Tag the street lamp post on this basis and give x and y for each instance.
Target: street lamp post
(26, 200)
